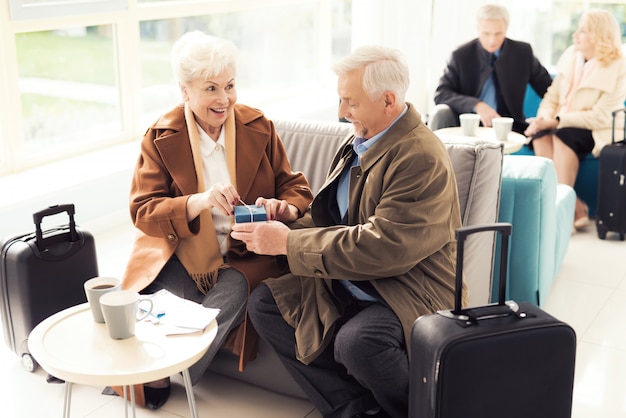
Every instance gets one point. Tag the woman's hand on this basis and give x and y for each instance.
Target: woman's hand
(532, 127)
(278, 210)
(537, 125)
(221, 196)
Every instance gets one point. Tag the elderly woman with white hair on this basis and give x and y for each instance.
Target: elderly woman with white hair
(197, 162)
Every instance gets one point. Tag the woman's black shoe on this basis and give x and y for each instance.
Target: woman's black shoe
(156, 397)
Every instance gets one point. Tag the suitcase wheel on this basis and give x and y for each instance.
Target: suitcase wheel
(602, 230)
(29, 362)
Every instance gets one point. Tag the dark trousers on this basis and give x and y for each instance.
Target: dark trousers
(229, 295)
(364, 366)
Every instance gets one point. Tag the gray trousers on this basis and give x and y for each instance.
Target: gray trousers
(230, 295)
(365, 365)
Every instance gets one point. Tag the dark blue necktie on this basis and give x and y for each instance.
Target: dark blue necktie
(496, 84)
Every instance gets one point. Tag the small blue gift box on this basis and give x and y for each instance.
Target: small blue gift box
(250, 213)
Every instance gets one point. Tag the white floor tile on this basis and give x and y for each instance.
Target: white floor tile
(29, 395)
(608, 328)
(221, 397)
(594, 261)
(575, 302)
(600, 382)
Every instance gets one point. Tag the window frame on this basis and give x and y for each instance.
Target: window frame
(45, 9)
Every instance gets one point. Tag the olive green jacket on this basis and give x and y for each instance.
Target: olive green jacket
(402, 216)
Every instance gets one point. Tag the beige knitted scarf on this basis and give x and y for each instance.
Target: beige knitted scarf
(200, 253)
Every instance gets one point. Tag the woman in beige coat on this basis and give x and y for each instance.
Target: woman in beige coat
(574, 117)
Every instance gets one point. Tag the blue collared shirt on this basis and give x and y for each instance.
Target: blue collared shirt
(488, 93)
(360, 146)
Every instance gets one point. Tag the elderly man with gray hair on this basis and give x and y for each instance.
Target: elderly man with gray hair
(374, 251)
(488, 76)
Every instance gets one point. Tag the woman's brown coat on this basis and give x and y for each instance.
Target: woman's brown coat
(164, 179)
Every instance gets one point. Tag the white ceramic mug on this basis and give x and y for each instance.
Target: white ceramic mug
(469, 123)
(502, 127)
(121, 312)
(95, 288)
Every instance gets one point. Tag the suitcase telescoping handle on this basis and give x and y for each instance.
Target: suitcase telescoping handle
(504, 229)
(614, 114)
(53, 210)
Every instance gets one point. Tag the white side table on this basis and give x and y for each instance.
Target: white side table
(72, 347)
(513, 144)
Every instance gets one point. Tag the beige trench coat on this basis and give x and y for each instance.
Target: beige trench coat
(593, 100)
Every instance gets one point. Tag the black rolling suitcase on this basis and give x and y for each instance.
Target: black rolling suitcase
(611, 209)
(42, 273)
(500, 360)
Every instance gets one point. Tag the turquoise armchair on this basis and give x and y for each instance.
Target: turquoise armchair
(542, 213)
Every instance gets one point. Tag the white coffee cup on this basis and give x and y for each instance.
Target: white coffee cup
(121, 312)
(502, 127)
(95, 288)
(469, 123)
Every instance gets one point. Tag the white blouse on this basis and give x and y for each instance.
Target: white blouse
(215, 171)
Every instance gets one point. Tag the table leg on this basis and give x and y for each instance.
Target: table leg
(132, 400)
(67, 400)
(125, 397)
(190, 396)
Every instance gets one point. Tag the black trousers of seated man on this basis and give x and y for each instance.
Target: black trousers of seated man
(364, 366)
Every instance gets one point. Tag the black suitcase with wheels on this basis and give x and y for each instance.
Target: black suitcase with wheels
(42, 273)
(500, 360)
(611, 210)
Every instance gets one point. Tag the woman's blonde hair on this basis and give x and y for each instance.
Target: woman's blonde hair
(197, 55)
(606, 34)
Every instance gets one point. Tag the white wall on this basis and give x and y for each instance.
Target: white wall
(427, 31)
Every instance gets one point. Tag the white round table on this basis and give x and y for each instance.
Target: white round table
(513, 144)
(71, 346)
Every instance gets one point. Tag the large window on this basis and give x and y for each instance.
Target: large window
(547, 25)
(40, 9)
(269, 65)
(85, 80)
(68, 87)
(550, 30)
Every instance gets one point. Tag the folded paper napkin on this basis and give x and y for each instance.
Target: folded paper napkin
(250, 213)
(176, 315)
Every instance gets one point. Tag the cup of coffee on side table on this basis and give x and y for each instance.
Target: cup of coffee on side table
(121, 312)
(95, 288)
(502, 127)
(469, 123)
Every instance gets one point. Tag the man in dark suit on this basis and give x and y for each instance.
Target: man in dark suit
(489, 75)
